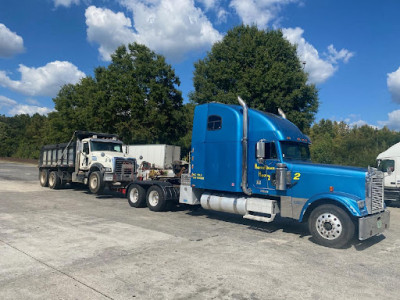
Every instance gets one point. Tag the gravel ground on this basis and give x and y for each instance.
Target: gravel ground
(69, 244)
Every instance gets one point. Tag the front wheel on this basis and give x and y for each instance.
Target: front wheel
(155, 199)
(331, 226)
(96, 184)
(136, 196)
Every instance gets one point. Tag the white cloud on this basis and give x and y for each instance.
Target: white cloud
(4, 101)
(43, 81)
(108, 29)
(29, 109)
(215, 6)
(10, 42)
(18, 109)
(360, 123)
(334, 56)
(319, 70)
(222, 16)
(393, 121)
(65, 3)
(172, 28)
(352, 120)
(209, 4)
(393, 83)
(259, 12)
(32, 101)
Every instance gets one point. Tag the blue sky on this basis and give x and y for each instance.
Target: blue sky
(351, 49)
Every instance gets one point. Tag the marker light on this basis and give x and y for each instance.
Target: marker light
(361, 204)
(331, 189)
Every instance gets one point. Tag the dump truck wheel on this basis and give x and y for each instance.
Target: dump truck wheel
(96, 184)
(44, 177)
(54, 180)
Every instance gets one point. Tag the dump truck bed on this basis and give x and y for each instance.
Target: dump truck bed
(58, 155)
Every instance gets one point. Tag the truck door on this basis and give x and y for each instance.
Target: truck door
(84, 156)
(266, 159)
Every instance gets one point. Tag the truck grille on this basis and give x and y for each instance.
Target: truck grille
(375, 193)
(124, 168)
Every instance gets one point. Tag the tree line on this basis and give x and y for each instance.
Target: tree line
(137, 96)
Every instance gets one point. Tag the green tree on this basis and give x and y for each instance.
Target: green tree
(5, 140)
(22, 135)
(136, 97)
(31, 139)
(260, 66)
(341, 144)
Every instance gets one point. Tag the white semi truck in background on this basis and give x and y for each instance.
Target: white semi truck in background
(389, 162)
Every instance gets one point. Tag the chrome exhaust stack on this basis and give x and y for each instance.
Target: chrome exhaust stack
(244, 186)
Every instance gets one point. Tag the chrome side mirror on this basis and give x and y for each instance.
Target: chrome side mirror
(260, 150)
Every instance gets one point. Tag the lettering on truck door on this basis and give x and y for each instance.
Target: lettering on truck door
(264, 168)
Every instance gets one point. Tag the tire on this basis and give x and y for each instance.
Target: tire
(54, 180)
(136, 196)
(155, 198)
(96, 184)
(331, 226)
(44, 177)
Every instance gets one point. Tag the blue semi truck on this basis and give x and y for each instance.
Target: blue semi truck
(257, 164)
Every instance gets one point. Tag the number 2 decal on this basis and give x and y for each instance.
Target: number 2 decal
(296, 176)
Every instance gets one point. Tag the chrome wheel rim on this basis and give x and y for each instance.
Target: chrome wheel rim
(329, 226)
(134, 195)
(52, 179)
(93, 182)
(153, 198)
(42, 178)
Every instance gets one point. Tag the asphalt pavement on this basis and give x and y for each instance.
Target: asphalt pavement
(69, 244)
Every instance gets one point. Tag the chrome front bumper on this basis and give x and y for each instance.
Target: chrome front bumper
(373, 225)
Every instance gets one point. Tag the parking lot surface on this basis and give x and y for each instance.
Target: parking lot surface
(69, 244)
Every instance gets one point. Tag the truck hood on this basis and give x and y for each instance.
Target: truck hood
(313, 179)
(333, 170)
(110, 154)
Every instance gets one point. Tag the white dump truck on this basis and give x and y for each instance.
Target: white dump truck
(94, 159)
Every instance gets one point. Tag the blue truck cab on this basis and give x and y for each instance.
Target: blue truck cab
(257, 164)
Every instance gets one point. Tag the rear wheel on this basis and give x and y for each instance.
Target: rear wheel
(54, 180)
(44, 177)
(155, 199)
(331, 226)
(96, 184)
(136, 196)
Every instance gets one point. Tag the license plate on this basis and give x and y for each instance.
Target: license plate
(379, 224)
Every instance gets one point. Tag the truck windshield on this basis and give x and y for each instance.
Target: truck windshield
(295, 151)
(386, 165)
(106, 146)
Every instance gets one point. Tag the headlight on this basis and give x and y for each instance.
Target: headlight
(108, 170)
(108, 177)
